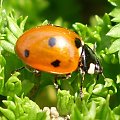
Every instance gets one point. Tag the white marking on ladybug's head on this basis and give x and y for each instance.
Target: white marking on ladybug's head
(80, 50)
(91, 69)
(82, 43)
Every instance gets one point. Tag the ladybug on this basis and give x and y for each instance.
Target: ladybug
(56, 50)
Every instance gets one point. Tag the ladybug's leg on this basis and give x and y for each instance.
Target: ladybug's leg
(81, 85)
(97, 77)
(55, 82)
(67, 76)
(17, 70)
(35, 71)
(57, 76)
(21, 68)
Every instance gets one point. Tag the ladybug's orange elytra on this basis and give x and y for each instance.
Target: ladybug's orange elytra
(50, 48)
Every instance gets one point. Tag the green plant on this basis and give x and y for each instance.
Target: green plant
(101, 98)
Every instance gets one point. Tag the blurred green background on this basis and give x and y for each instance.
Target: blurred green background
(65, 12)
(60, 12)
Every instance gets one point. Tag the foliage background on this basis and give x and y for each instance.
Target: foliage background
(69, 11)
(96, 22)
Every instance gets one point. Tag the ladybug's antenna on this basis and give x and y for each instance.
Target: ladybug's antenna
(97, 78)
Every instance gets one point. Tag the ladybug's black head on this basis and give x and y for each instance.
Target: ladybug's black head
(90, 62)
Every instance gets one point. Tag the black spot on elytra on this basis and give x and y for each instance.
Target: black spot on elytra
(78, 42)
(52, 41)
(55, 63)
(26, 53)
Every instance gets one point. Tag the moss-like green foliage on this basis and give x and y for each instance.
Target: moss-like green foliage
(101, 98)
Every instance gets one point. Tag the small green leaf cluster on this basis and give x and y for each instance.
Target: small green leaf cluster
(21, 109)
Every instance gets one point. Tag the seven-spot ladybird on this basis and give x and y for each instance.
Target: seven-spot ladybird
(56, 50)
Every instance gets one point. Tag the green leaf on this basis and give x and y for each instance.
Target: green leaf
(110, 83)
(7, 113)
(7, 46)
(119, 56)
(92, 111)
(116, 110)
(106, 21)
(3, 118)
(99, 89)
(2, 61)
(104, 112)
(81, 29)
(114, 31)
(99, 101)
(46, 22)
(115, 13)
(22, 109)
(76, 115)
(24, 117)
(118, 79)
(22, 24)
(10, 36)
(98, 20)
(114, 59)
(10, 105)
(114, 2)
(42, 116)
(1, 80)
(65, 102)
(13, 85)
(2, 64)
(14, 27)
(114, 47)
